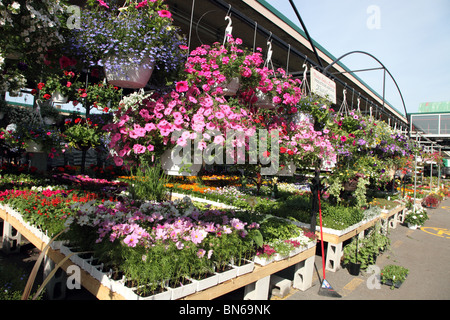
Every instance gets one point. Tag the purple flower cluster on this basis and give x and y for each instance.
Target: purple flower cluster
(106, 38)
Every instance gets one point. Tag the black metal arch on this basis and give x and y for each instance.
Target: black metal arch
(325, 71)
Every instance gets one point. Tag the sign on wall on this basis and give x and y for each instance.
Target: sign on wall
(323, 86)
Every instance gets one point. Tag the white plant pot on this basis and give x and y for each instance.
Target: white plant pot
(57, 97)
(49, 120)
(231, 87)
(288, 170)
(33, 147)
(206, 283)
(262, 261)
(264, 101)
(279, 257)
(165, 295)
(182, 291)
(247, 267)
(413, 226)
(133, 76)
(173, 169)
(227, 275)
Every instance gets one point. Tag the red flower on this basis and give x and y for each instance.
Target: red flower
(64, 62)
(282, 150)
(47, 96)
(40, 85)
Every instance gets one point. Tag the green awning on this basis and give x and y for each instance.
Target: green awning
(426, 107)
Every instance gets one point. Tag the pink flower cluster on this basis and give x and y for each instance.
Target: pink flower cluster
(199, 108)
(155, 223)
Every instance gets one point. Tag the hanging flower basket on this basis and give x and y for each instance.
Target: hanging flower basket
(130, 74)
(57, 97)
(231, 87)
(173, 169)
(33, 147)
(288, 170)
(350, 185)
(264, 100)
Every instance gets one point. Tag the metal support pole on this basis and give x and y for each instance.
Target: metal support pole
(306, 32)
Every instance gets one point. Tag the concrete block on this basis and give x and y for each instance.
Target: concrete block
(11, 240)
(303, 274)
(280, 286)
(258, 290)
(56, 287)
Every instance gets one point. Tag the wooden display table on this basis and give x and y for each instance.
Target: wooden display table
(256, 283)
(87, 281)
(335, 240)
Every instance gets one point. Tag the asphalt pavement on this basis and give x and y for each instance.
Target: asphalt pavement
(425, 252)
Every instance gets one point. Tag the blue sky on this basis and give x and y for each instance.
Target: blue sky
(412, 40)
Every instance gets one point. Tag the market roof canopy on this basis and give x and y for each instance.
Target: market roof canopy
(436, 124)
(443, 106)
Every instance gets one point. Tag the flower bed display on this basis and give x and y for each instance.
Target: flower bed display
(144, 243)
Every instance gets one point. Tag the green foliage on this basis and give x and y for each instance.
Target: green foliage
(393, 274)
(364, 251)
(273, 229)
(339, 217)
(12, 282)
(149, 183)
(82, 133)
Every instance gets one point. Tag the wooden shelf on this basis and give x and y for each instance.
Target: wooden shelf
(258, 273)
(87, 281)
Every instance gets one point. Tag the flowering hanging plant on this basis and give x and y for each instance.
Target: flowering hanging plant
(31, 28)
(145, 125)
(281, 88)
(65, 83)
(210, 68)
(110, 35)
(103, 96)
(82, 133)
(12, 139)
(19, 137)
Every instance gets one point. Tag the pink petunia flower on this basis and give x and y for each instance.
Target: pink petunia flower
(182, 86)
(138, 148)
(164, 14)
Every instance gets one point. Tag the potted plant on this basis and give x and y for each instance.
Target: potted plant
(358, 255)
(29, 30)
(393, 275)
(59, 87)
(129, 41)
(416, 219)
(12, 139)
(81, 133)
(43, 139)
(431, 201)
(231, 68)
(278, 89)
(103, 96)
